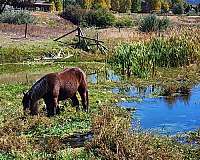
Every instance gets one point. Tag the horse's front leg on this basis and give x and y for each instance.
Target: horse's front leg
(51, 105)
(34, 109)
(75, 102)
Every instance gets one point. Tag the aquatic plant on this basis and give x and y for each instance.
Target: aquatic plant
(139, 58)
(131, 58)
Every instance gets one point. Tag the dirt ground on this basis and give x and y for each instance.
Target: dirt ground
(50, 26)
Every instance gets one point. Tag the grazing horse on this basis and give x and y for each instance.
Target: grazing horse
(55, 87)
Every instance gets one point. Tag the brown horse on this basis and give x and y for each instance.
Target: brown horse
(55, 87)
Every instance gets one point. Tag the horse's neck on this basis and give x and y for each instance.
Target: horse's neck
(39, 89)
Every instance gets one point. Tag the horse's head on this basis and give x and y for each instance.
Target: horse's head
(26, 101)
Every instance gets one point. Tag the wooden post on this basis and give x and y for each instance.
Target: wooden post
(26, 29)
(97, 76)
(79, 36)
(97, 42)
(27, 79)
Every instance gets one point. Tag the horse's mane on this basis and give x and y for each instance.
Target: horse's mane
(38, 89)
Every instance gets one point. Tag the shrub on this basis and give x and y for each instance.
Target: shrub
(152, 23)
(17, 17)
(75, 14)
(163, 23)
(100, 18)
(178, 9)
(124, 22)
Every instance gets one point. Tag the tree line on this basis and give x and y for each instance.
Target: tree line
(121, 6)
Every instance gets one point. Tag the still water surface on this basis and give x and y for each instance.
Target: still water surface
(164, 115)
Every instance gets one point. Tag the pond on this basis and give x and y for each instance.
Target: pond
(167, 115)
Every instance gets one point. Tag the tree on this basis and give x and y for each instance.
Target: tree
(136, 6)
(178, 1)
(165, 6)
(115, 5)
(86, 3)
(52, 8)
(178, 8)
(58, 5)
(3, 4)
(125, 6)
(121, 5)
(101, 4)
(155, 5)
(14, 3)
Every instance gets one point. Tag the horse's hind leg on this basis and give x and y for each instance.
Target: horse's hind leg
(84, 97)
(75, 102)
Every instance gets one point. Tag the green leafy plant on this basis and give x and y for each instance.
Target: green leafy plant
(17, 17)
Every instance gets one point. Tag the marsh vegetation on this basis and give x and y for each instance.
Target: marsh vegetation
(143, 74)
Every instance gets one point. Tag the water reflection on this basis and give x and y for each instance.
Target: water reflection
(153, 91)
(98, 77)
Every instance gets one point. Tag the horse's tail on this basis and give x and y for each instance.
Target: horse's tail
(85, 86)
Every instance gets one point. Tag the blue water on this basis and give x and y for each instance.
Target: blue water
(169, 116)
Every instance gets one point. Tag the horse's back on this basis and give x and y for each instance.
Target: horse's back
(73, 74)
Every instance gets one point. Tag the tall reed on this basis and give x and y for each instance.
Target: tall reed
(139, 58)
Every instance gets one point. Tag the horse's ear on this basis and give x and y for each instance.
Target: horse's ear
(24, 93)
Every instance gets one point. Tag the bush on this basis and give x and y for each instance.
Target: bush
(17, 17)
(100, 18)
(178, 9)
(151, 23)
(124, 22)
(75, 14)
